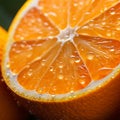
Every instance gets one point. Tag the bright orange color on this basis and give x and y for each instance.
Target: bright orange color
(64, 48)
(3, 40)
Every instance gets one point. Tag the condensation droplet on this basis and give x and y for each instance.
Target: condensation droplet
(30, 72)
(45, 23)
(108, 34)
(75, 4)
(118, 28)
(112, 13)
(43, 62)
(61, 66)
(24, 76)
(82, 82)
(60, 77)
(51, 69)
(90, 56)
(103, 23)
(112, 49)
(77, 61)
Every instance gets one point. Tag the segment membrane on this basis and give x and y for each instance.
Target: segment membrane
(83, 11)
(56, 11)
(67, 74)
(100, 55)
(107, 25)
(33, 73)
(24, 52)
(34, 25)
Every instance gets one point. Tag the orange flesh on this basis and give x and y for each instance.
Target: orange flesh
(55, 58)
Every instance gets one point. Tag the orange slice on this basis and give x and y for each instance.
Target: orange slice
(63, 56)
(8, 107)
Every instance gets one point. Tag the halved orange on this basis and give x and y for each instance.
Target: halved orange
(64, 58)
(8, 107)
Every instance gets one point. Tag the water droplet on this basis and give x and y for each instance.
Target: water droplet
(60, 77)
(81, 3)
(45, 23)
(112, 49)
(52, 14)
(60, 66)
(90, 56)
(24, 76)
(51, 69)
(103, 23)
(82, 82)
(77, 61)
(75, 4)
(43, 62)
(87, 13)
(108, 34)
(118, 28)
(91, 24)
(112, 13)
(30, 72)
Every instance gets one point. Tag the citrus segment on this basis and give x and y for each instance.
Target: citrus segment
(106, 25)
(68, 73)
(82, 11)
(36, 25)
(104, 52)
(56, 9)
(30, 51)
(34, 72)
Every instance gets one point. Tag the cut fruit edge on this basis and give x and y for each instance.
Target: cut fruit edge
(32, 94)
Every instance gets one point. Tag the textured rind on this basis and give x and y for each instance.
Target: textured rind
(98, 105)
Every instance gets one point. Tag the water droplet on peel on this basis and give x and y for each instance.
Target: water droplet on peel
(60, 77)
